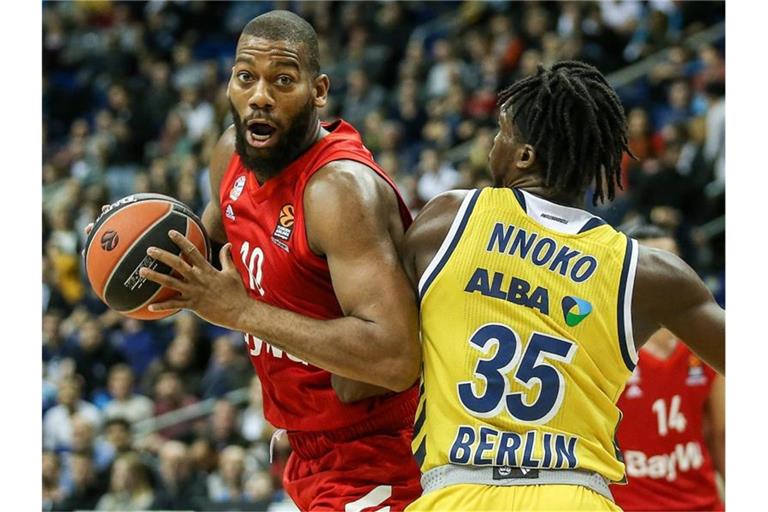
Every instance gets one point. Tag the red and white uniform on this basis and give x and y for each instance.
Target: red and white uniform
(342, 453)
(669, 466)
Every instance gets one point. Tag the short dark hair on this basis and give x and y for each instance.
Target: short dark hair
(286, 26)
(118, 420)
(575, 121)
(648, 232)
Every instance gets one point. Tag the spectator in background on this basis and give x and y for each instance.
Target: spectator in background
(52, 490)
(58, 421)
(361, 97)
(84, 440)
(94, 357)
(196, 112)
(253, 426)
(169, 396)
(228, 369)
(203, 456)
(55, 351)
(224, 426)
(435, 176)
(124, 402)
(84, 489)
(179, 486)
(137, 342)
(227, 484)
(129, 487)
(180, 358)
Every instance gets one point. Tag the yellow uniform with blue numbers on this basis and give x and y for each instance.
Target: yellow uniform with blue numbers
(527, 345)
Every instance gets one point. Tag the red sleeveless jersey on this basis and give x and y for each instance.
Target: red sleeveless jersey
(668, 463)
(265, 224)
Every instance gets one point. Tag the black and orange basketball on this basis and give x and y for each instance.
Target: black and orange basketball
(116, 249)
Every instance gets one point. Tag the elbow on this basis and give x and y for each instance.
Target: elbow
(404, 372)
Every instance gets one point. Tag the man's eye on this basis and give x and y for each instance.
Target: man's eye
(284, 80)
(244, 76)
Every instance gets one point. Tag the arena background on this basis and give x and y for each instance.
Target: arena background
(134, 99)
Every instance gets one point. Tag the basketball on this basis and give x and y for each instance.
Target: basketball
(116, 249)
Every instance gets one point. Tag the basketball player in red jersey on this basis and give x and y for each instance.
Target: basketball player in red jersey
(673, 428)
(310, 271)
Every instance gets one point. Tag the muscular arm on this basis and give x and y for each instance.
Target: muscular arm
(349, 215)
(668, 293)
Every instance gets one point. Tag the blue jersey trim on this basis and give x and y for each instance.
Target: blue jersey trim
(421, 452)
(520, 199)
(622, 320)
(592, 223)
(454, 242)
(420, 420)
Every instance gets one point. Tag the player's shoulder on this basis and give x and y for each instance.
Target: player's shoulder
(438, 214)
(347, 184)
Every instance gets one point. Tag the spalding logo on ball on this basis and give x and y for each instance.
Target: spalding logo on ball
(124, 231)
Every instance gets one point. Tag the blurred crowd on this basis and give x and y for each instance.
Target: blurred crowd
(134, 99)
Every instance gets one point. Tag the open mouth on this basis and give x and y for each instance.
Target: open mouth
(259, 133)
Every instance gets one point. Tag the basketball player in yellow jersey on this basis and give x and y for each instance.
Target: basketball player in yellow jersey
(532, 310)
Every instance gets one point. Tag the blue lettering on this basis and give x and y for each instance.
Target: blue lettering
(495, 290)
(540, 300)
(585, 261)
(518, 291)
(568, 452)
(537, 258)
(460, 451)
(508, 445)
(547, 450)
(530, 444)
(520, 242)
(563, 259)
(478, 282)
(484, 446)
(500, 237)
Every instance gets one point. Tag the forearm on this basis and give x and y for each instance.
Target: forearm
(350, 347)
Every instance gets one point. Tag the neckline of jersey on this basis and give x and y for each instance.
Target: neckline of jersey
(588, 227)
(259, 193)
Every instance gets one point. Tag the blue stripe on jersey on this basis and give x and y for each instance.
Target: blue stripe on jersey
(420, 420)
(520, 199)
(456, 237)
(591, 224)
(622, 289)
(421, 452)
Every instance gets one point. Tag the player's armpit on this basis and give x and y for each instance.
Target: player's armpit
(669, 293)
(349, 390)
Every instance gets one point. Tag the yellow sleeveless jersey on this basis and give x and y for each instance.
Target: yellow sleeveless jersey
(527, 338)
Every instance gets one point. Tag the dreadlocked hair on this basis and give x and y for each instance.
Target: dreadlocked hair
(576, 123)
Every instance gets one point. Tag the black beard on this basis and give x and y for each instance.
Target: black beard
(270, 162)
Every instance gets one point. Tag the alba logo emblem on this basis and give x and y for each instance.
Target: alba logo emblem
(109, 240)
(575, 310)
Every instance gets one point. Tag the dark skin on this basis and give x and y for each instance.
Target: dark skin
(374, 348)
(667, 292)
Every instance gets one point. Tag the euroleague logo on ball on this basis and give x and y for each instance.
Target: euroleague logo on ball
(109, 240)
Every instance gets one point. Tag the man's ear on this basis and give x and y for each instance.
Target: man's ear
(321, 84)
(525, 157)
